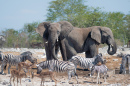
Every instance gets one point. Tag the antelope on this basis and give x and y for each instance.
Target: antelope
(42, 75)
(18, 75)
(26, 67)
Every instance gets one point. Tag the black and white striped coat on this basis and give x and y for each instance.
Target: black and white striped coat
(125, 61)
(58, 66)
(102, 69)
(86, 62)
(13, 60)
(1, 57)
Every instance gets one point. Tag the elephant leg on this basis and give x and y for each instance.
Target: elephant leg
(48, 54)
(93, 49)
(57, 47)
(90, 48)
(70, 51)
(63, 50)
(88, 54)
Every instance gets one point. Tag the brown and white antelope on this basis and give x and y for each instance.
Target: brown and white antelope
(16, 74)
(26, 67)
(42, 75)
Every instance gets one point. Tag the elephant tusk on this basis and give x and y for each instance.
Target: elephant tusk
(46, 42)
(111, 45)
(57, 40)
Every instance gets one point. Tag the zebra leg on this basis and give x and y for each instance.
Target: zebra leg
(9, 69)
(105, 75)
(75, 68)
(98, 78)
(90, 72)
(124, 71)
(69, 76)
(2, 68)
(76, 76)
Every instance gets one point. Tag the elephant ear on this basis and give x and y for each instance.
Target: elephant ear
(66, 28)
(43, 29)
(95, 34)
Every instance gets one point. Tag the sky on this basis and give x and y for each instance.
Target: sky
(15, 13)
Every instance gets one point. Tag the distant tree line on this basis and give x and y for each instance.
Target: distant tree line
(77, 13)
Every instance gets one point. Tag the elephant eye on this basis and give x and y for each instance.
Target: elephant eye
(58, 32)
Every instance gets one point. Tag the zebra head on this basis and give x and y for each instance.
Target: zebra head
(28, 56)
(99, 58)
(39, 69)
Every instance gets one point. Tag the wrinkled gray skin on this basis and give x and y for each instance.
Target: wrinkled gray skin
(42, 29)
(52, 45)
(80, 40)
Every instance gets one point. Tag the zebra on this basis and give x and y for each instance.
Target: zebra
(86, 62)
(124, 62)
(13, 60)
(58, 66)
(1, 57)
(102, 69)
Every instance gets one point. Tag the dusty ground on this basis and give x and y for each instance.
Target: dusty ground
(113, 63)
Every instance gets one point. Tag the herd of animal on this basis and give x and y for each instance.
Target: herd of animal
(96, 66)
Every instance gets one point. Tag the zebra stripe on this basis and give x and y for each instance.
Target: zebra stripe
(102, 69)
(125, 61)
(13, 60)
(86, 62)
(58, 66)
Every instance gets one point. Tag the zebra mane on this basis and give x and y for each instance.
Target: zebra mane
(22, 57)
(44, 64)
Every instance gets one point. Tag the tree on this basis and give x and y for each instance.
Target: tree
(11, 37)
(29, 29)
(65, 10)
(82, 16)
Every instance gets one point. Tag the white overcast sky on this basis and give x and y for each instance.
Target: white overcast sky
(15, 13)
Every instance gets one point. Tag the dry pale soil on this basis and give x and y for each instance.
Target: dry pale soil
(114, 79)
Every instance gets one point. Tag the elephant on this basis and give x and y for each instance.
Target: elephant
(43, 30)
(79, 40)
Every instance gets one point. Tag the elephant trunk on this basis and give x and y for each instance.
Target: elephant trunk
(114, 48)
(52, 44)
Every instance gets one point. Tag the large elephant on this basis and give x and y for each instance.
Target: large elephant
(80, 40)
(43, 30)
